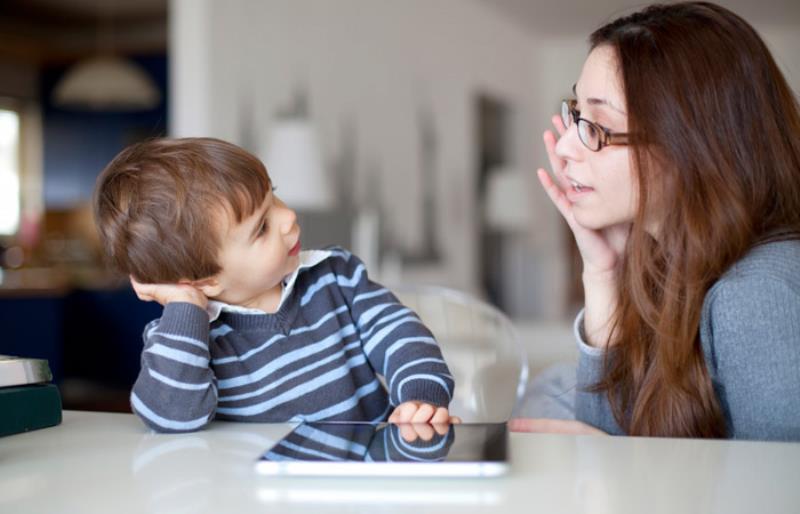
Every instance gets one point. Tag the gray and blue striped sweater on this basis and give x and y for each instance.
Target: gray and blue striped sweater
(316, 359)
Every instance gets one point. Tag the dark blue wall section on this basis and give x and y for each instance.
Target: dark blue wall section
(94, 335)
(78, 144)
(33, 327)
(103, 335)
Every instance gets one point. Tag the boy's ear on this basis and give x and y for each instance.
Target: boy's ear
(209, 286)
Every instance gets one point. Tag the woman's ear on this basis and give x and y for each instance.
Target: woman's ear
(209, 286)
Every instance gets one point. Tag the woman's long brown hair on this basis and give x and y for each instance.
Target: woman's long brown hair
(717, 155)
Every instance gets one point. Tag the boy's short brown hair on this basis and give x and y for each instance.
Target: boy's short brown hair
(157, 205)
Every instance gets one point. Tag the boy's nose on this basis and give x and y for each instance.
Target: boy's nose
(289, 220)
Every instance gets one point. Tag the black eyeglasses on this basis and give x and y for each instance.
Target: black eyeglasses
(593, 136)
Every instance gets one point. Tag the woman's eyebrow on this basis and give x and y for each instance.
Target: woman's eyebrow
(598, 101)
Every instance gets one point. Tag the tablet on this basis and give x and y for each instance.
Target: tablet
(387, 450)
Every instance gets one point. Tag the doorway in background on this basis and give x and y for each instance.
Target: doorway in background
(493, 137)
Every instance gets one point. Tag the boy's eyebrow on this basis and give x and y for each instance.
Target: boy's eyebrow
(597, 101)
(259, 220)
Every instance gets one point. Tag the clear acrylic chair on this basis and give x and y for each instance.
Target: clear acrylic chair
(481, 347)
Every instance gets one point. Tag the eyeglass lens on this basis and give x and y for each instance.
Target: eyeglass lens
(588, 133)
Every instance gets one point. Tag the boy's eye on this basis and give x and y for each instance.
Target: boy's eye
(263, 228)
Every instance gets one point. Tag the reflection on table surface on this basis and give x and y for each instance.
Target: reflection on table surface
(97, 462)
(364, 442)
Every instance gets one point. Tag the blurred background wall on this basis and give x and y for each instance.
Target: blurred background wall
(419, 121)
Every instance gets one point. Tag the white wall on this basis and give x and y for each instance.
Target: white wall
(784, 43)
(374, 66)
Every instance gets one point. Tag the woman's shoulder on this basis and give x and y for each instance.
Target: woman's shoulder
(759, 293)
(777, 260)
(766, 269)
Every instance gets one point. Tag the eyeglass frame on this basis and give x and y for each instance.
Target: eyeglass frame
(608, 138)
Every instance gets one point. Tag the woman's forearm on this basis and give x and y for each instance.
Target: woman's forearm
(600, 292)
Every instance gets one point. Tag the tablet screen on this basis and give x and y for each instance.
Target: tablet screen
(327, 449)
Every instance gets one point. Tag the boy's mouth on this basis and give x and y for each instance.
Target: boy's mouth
(295, 249)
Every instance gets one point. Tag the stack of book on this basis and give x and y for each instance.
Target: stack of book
(27, 400)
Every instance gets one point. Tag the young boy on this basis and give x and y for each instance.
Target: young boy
(253, 329)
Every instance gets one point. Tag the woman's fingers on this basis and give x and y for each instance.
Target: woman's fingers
(558, 123)
(556, 163)
(552, 426)
(556, 195)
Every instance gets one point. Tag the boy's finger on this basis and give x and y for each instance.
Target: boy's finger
(424, 413)
(440, 416)
(441, 428)
(408, 433)
(455, 420)
(405, 411)
(424, 431)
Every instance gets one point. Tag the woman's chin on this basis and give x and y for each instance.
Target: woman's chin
(591, 221)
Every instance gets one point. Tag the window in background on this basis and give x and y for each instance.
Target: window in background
(9, 172)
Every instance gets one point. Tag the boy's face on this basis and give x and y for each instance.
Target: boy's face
(257, 254)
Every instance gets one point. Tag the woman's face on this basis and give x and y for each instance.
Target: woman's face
(607, 189)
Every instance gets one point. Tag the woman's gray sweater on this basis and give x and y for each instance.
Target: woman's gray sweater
(750, 333)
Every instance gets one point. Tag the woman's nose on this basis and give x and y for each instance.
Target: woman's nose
(568, 146)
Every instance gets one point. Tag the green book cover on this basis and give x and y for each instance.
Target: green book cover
(28, 407)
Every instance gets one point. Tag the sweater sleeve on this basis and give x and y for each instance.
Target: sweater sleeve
(396, 342)
(751, 339)
(176, 390)
(590, 407)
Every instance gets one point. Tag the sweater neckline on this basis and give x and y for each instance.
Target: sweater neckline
(278, 320)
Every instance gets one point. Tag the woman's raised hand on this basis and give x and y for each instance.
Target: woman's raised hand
(600, 249)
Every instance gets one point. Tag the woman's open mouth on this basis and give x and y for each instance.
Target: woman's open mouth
(576, 190)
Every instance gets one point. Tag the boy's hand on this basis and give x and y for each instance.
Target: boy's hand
(167, 293)
(419, 412)
(410, 432)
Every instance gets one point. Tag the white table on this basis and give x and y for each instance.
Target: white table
(109, 463)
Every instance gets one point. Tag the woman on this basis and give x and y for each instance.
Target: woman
(678, 172)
